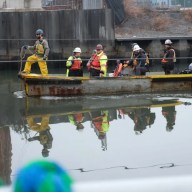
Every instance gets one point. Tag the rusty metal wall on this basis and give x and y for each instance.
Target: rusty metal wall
(64, 29)
(92, 4)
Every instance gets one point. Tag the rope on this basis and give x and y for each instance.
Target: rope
(22, 56)
(109, 59)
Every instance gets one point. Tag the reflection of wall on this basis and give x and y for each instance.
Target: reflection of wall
(5, 155)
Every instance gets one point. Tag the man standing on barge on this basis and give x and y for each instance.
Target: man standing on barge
(41, 49)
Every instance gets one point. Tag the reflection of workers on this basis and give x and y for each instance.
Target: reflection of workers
(100, 123)
(170, 115)
(77, 119)
(41, 49)
(42, 176)
(74, 64)
(98, 64)
(45, 138)
(142, 118)
(169, 57)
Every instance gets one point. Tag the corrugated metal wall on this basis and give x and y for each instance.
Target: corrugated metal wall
(93, 4)
(65, 29)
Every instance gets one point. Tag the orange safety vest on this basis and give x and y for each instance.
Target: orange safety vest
(78, 117)
(98, 123)
(76, 64)
(164, 60)
(95, 63)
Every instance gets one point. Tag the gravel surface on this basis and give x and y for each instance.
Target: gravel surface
(173, 24)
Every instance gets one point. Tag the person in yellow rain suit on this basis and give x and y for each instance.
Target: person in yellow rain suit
(98, 64)
(45, 137)
(41, 49)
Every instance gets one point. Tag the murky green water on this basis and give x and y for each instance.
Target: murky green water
(95, 138)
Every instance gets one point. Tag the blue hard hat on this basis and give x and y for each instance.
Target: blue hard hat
(39, 31)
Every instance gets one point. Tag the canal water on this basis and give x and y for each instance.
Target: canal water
(95, 138)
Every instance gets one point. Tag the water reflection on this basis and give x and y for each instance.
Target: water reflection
(5, 154)
(43, 130)
(64, 128)
(100, 124)
(142, 117)
(170, 115)
(96, 112)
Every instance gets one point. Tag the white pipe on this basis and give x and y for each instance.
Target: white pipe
(157, 184)
(166, 184)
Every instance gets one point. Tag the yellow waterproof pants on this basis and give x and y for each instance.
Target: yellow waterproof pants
(44, 125)
(33, 59)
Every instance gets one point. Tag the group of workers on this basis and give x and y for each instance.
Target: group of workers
(138, 64)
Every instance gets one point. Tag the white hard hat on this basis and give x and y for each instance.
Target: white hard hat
(77, 50)
(190, 67)
(136, 48)
(168, 42)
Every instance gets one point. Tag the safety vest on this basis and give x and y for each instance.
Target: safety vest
(96, 61)
(76, 118)
(98, 123)
(164, 60)
(76, 64)
(39, 49)
(147, 60)
(174, 55)
(101, 123)
(79, 117)
(137, 58)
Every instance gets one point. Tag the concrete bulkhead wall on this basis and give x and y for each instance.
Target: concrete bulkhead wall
(64, 29)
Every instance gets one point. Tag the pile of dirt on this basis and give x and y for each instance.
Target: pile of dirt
(151, 24)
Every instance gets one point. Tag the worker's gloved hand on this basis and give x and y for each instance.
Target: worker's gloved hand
(44, 57)
(102, 72)
(25, 46)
